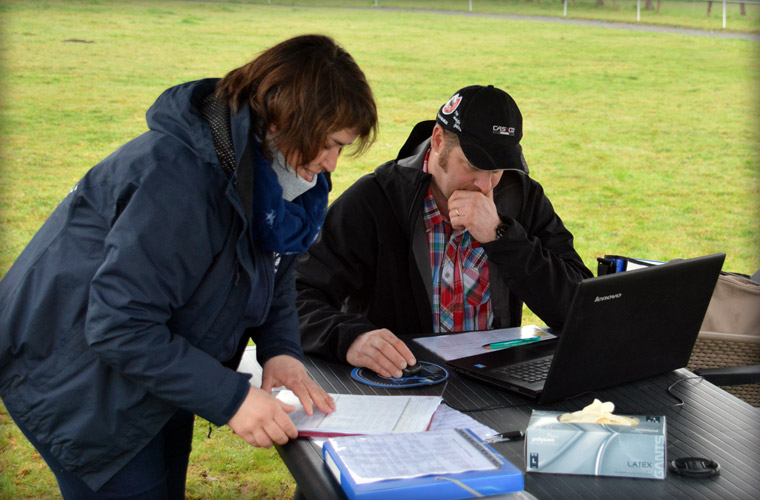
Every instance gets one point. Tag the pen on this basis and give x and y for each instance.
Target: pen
(506, 436)
(510, 343)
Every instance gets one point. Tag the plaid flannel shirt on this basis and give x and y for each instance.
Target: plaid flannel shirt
(461, 289)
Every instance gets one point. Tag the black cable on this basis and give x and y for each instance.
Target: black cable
(670, 391)
(661, 409)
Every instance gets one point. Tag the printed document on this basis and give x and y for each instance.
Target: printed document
(360, 414)
(392, 456)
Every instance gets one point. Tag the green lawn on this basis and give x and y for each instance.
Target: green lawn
(685, 13)
(647, 143)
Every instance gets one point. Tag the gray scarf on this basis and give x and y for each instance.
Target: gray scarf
(293, 185)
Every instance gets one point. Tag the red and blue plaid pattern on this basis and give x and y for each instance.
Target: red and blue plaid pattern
(461, 290)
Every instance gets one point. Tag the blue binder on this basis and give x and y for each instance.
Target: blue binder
(503, 479)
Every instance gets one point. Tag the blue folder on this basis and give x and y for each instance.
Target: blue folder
(505, 478)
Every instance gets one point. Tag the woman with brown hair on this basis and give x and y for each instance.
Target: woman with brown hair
(128, 311)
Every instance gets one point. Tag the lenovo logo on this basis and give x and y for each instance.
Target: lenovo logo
(607, 297)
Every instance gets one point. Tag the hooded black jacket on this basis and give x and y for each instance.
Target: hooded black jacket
(370, 266)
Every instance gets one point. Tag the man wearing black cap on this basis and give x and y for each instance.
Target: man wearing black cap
(452, 235)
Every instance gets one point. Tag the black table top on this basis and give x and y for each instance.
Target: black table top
(711, 424)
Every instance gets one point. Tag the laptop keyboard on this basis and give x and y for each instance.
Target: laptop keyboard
(534, 370)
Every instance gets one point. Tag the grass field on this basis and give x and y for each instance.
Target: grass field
(687, 13)
(646, 143)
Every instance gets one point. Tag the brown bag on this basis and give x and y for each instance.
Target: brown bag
(734, 307)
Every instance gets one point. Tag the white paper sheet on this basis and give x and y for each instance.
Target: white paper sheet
(360, 414)
(462, 345)
(374, 458)
(447, 418)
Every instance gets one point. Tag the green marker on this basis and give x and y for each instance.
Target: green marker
(511, 343)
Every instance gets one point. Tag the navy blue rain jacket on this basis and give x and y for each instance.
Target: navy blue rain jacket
(142, 281)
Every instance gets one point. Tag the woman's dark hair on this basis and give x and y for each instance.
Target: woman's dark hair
(307, 87)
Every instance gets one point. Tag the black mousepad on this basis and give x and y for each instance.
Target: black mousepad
(429, 374)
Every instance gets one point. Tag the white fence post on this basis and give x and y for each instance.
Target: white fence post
(724, 14)
(565, 8)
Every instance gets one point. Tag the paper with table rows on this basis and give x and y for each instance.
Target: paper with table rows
(362, 414)
(394, 456)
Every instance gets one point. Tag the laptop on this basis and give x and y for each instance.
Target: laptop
(620, 328)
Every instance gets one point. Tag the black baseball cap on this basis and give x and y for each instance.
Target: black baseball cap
(488, 124)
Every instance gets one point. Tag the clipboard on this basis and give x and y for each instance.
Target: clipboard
(503, 477)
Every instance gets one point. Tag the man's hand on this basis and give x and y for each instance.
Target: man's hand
(381, 352)
(476, 212)
(262, 420)
(290, 372)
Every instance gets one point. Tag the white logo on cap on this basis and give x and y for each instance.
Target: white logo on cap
(452, 104)
(501, 130)
(457, 122)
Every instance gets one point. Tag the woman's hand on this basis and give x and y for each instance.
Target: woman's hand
(262, 420)
(290, 372)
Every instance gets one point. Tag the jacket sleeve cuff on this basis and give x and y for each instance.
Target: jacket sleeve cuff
(286, 347)
(347, 337)
(241, 392)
